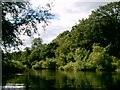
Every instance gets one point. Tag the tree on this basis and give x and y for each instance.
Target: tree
(102, 26)
(20, 18)
(36, 42)
(50, 49)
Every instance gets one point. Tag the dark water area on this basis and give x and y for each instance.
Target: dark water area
(65, 80)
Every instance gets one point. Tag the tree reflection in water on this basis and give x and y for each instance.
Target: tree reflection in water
(47, 79)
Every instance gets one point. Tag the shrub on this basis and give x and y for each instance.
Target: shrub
(80, 54)
(79, 65)
(70, 57)
(38, 65)
(69, 66)
(51, 63)
(99, 59)
(12, 66)
(61, 60)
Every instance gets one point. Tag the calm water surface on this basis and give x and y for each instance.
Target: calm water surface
(65, 80)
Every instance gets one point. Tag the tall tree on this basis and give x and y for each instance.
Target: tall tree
(102, 26)
(105, 29)
(20, 18)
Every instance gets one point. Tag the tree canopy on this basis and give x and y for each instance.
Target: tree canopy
(103, 27)
(93, 44)
(20, 18)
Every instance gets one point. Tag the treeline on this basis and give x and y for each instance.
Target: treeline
(93, 44)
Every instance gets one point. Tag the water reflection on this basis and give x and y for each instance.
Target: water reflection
(46, 79)
(14, 86)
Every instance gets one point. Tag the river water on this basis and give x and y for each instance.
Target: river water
(65, 80)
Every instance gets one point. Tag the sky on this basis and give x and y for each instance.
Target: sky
(67, 14)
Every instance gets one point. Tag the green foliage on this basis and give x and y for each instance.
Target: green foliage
(50, 50)
(12, 66)
(50, 63)
(61, 37)
(36, 42)
(93, 44)
(69, 66)
(38, 65)
(70, 57)
(61, 60)
(99, 59)
(18, 64)
(19, 18)
(79, 65)
(80, 54)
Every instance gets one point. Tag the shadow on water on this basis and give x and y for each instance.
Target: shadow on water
(47, 79)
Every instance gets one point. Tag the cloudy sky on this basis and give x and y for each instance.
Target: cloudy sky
(67, 12)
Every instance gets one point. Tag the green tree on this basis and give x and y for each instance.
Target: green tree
(102, 26)
(20, 18)
(99, 59)
(36, 42)
(50, 49)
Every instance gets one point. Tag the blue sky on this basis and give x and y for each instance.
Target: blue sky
(67, 12)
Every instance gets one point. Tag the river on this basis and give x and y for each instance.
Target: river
(65, 80)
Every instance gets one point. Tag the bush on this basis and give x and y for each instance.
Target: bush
(38, 65)
(12, 66)
(69, 66)
(80, 54)
(79, 65)
(70, 57)
(61, 60)
(51, 63)
(99, 59)
(18, 64)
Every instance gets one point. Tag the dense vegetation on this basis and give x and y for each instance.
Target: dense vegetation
(93, 44)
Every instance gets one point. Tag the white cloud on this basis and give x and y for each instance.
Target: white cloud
(67, 12)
